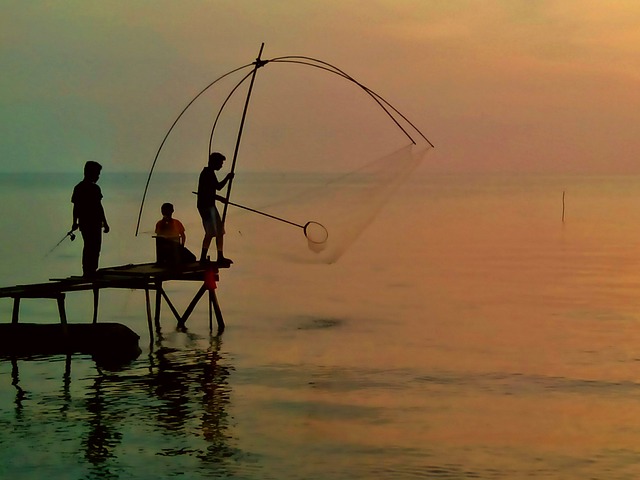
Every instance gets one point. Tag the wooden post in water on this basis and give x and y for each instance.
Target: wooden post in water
(16, 310)
(63, 313)
(149, 321)
(96, 296)
(213, 302)
(563, 206)
(61, 310)
(158, 304)
(210, 311)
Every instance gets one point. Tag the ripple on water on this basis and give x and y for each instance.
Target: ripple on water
(315, 323)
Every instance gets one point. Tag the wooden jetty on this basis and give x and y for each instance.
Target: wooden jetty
(149, 277)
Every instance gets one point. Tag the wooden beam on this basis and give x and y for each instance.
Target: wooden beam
(192, 305)
(171, 307)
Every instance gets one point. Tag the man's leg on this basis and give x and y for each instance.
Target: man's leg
(206, 243)
(92, 238)
(209, 231)
(220, 248)
(220, 240)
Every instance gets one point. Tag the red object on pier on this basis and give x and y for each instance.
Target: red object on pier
(210, 279)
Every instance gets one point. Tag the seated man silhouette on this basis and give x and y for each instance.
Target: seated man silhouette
(170, 239)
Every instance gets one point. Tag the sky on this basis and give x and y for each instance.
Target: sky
(531, 86)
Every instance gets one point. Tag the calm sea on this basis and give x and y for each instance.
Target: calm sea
(468, 333)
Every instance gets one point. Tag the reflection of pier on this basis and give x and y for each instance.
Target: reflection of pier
(147, 276)
(179, 403)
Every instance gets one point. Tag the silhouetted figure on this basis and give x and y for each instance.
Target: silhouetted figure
(170, 228)
(208, 185)
(88, 215)
(171, 238)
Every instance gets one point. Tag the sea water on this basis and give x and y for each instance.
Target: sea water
(470, 332)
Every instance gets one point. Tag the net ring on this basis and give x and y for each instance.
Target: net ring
(316, 233)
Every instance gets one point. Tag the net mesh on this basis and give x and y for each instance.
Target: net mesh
(335, 211)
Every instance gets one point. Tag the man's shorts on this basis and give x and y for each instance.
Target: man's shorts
(211, 221)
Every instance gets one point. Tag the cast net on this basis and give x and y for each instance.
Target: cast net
(334, 210)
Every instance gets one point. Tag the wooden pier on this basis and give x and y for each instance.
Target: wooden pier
(147, 276)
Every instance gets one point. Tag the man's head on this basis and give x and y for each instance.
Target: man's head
(216, 159)
(166, 209)
(92, 171)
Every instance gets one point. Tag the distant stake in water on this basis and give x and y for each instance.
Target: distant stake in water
(563, 206)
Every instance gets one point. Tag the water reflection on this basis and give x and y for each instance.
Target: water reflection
(15, 381)
(172, 405)
(103, 435)
(193, 390)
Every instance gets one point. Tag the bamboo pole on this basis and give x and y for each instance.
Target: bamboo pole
(258, 63)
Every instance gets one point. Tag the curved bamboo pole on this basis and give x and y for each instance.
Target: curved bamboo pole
(387, 107)
(215, 123)
(155, 160)
(302, 60)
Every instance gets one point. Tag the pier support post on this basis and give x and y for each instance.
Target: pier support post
(96, 296)
(63, 313)
(158, 304)
(213, 301)
(192, 305)
(149, 321)
(210, 310)
(61, 310)
(16, 310)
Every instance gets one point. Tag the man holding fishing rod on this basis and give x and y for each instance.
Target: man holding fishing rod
(89, 217)
(208, 185)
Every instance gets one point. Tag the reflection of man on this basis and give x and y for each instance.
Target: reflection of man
(208, 184)
(88, 215)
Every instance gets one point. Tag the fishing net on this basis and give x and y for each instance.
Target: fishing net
(333, 210)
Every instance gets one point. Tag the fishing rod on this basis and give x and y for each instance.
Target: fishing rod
(69, 234)
(314, 231)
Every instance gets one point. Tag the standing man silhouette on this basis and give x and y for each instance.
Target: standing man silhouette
(89, 217)
(208, 185)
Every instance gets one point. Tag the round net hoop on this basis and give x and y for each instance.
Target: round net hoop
(316, 233)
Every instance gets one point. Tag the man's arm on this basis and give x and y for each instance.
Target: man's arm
(224, 181)
(74, 223)
(105, 225)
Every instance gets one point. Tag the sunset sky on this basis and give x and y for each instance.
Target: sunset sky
(496, 85)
